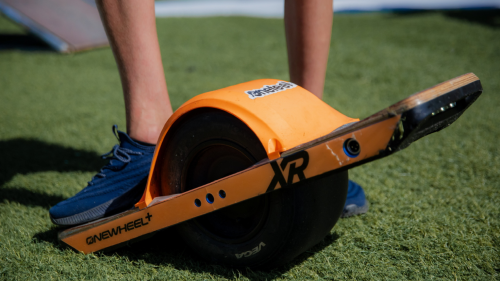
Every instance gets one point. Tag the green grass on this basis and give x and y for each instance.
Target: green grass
(435, 207)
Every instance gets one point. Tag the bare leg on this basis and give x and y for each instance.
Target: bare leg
(308, 27)
(131, 29)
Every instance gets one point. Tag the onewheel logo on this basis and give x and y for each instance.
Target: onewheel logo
(267, 90)
(119, 230)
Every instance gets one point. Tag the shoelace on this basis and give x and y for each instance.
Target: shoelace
(119, 153)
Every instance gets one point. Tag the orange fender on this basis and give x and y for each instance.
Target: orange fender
(281, 114)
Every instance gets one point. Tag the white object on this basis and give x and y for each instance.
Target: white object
(274, 8)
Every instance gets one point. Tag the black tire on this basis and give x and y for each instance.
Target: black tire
(266, 231)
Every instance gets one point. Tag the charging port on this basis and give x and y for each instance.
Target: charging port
(352, 148)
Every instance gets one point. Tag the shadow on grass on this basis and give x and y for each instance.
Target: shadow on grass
(490, 18)
(28, 197)
(22, 42)
(51, 237)
(25, 156)
(166, 248)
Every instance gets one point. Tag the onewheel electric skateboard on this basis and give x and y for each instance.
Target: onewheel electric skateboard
(256, 173)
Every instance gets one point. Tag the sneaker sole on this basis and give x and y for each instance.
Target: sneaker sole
(129, 198)
(89, 215)
(353, 210)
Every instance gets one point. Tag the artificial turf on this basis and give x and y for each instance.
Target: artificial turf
(435, 207)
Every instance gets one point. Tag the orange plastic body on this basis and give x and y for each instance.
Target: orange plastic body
(281, 114)
(323, 157)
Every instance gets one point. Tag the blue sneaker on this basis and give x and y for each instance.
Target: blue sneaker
(117, 187)
(356, 203)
